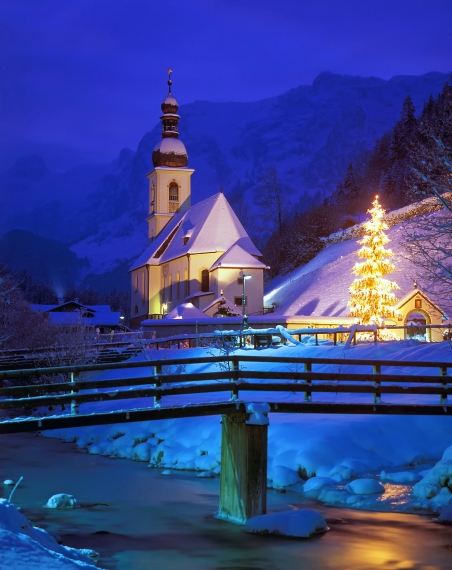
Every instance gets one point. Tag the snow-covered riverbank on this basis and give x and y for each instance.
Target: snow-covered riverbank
(396, 450)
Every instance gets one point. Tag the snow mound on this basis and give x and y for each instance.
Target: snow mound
(283, 477)
(62, 501)
(301, 523)
(365, 487)
(435, 489)
(314, 486)
(400, 477)
(36, 548)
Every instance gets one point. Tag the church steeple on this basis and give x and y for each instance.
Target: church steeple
(169, 182)
(170, 151)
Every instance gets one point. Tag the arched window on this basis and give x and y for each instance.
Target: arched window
(136, 310)
(170, 289)
(136, 282)
(173, 197)
(204, 281)
(178, 285)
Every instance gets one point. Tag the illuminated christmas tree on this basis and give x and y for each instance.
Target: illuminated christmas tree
(371, 299)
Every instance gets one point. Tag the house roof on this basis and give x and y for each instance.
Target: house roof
(70, 306)
(401, 302)
(210, 226)
(74, 318)
(185, 311)
(236, 256)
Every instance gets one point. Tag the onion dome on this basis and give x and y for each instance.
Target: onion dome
(169, 104)
(170, 151)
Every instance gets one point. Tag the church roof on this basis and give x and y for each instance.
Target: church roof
(236, 256)
(209, 226)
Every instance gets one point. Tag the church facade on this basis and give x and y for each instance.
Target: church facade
(198, 254)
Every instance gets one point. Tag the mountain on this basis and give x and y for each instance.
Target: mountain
(310, 133)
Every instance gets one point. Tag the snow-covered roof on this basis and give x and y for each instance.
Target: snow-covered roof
(236, 256)
(412, 294)
(211, 226)
(68, 304)
(171, 144)
(74, 318)
(225, 303)
(185, 311)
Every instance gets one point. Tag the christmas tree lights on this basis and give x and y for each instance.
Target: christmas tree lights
(371, 298)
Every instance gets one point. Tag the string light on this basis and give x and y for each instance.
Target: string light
(371, 298)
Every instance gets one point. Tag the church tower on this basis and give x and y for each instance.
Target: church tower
(169, 182)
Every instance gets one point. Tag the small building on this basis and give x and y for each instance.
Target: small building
(74, 313)
(417, 309)
(197, 254)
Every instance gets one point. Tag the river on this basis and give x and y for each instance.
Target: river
(138, 519)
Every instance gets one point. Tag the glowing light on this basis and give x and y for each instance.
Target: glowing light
(371, 298)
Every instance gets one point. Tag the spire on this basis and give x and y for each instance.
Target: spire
(170, 151)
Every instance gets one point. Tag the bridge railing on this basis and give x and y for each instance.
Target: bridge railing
(236, 375)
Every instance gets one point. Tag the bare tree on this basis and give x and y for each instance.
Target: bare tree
(270, 196)
(427, 242)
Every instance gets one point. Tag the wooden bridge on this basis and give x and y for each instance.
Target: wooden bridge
(295, 386)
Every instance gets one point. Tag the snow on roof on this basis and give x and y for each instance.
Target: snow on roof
(412, 294)
(171, 144)
(321, 287)
(74, 318)
(214, 228)
(67, 304)
(226, 304)
(236, 256)
(185, 311)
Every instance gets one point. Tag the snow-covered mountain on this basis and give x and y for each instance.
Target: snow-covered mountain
(310, 133)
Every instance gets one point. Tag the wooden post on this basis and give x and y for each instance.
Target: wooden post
(377, 394)
(443, 374)
(307, 368)
(243, 477)
(157, 384)
(74, 404)
(234, 367)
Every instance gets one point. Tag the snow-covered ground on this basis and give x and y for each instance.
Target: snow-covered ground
(27, 547)
(395, 451)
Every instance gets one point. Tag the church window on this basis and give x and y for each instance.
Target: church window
(136, 282)
(204, 280)
(185, 283)
(173, 197)
(178, 285)
(152, 198)
(238, 301)
(162, 290)
(143, 287)
(136, 310)
(170, 288)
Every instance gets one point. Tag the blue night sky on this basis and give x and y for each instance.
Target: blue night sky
(82, 79)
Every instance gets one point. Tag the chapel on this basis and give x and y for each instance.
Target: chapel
(196, 254)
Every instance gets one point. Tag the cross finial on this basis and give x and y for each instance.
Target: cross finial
(169, 71)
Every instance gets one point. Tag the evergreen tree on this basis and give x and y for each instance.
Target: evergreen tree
(370, 294)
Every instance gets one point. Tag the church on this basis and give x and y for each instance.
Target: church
(198, 254)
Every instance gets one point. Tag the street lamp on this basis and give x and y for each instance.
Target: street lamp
(244, 317)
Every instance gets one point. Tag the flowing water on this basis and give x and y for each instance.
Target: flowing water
(138, 519)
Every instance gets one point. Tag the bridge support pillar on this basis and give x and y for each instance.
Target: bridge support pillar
(243, 477)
